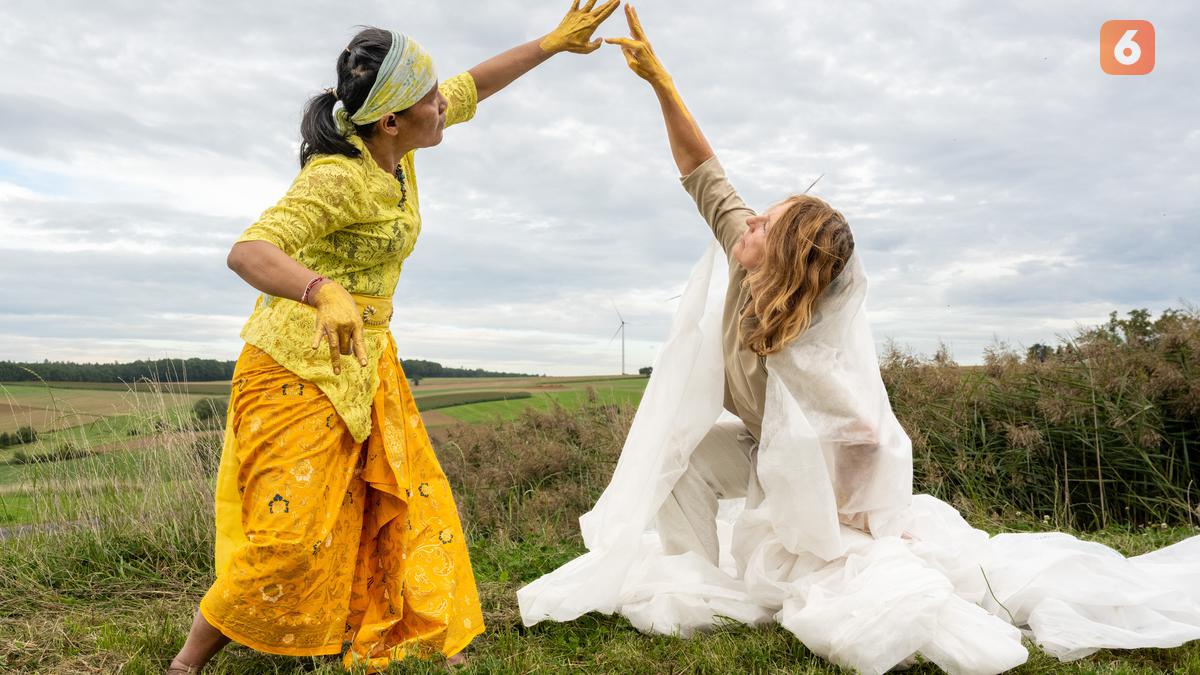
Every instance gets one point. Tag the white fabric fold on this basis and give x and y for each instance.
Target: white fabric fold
(915, 579)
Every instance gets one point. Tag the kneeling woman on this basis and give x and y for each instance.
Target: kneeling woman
(335, 522)
(779, 263)
(830, 542)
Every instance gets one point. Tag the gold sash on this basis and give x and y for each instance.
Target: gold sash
(376, 310)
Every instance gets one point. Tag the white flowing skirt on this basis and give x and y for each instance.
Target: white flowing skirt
(922, 582)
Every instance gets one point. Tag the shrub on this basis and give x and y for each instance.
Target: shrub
(210, 412)
(24, 435)
(1101, 428)
(535, 475)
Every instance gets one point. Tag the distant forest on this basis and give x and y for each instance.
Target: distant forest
(186, 370)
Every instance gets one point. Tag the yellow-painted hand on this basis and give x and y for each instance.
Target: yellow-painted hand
(338, 322)
(638, 53)
(574, 34)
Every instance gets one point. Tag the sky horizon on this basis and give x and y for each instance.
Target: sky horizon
(999, 185)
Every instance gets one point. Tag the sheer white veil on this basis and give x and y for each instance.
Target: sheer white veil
(831, 542)
(829, 438)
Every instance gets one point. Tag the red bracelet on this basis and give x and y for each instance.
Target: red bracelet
(309, 287)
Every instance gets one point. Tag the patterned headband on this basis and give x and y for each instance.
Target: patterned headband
(404, 77)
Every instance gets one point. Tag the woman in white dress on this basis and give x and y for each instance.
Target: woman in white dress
(794, 503)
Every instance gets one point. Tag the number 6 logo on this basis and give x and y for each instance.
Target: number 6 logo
(1127, 47)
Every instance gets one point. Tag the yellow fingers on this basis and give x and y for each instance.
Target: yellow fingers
(628, 48)
(318, 336)
(606, 10)
(334, 357)
(635, 25)
(588, 7)
(574, 7)
(624, 43)
(360, 345)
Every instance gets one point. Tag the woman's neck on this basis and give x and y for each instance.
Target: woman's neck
(386, 153)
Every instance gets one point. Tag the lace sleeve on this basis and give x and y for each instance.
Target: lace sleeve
(462, 96)
(327, 196)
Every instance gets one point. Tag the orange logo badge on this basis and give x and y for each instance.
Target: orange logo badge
(1127, 47)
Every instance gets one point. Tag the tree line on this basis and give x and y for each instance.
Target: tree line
(186, 370)
(160, 370)
(415, 368)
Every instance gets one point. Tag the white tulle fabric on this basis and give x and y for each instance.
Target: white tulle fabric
(912, 578)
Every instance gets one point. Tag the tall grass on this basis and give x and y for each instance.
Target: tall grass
(536, 475)
(117, 531)
(1103, 429)
(142, 505)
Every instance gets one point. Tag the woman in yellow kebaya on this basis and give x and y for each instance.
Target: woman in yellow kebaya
(335, 523)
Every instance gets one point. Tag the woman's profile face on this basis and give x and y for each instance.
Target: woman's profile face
(750, 250)
(421, 125)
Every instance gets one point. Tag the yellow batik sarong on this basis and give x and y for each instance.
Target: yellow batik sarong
(323, 541)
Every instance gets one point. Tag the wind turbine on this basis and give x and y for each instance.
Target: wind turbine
(621, 330)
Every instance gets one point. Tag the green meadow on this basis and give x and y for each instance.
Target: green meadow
(106, 534)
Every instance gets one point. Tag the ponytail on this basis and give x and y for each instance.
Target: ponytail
(319, 132)
(357, 67)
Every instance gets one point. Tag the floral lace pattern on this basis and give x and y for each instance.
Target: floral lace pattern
(348, 220)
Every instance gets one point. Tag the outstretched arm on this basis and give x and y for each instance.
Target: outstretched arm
(574, 34)
(689, 147)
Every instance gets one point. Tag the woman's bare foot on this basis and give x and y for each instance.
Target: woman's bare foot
(456, 661)
(179, 668)
(203, 641)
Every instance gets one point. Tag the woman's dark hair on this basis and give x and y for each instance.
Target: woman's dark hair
(357, 66)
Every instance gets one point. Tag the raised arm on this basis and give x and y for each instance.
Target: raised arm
(703, 177)
(574, 34)
(689, 147)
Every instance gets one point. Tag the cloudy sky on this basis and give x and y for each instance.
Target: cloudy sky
(1000, 185)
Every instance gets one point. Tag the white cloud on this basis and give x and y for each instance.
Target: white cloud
(999, 184)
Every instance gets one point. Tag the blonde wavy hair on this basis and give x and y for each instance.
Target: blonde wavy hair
(807, 247)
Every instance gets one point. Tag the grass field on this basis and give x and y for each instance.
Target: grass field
(61, 405)
(55, 406)
(571, 395)
(115, 590)
(115, 422)
(216, 388)
(94, 416)
(1097, 441)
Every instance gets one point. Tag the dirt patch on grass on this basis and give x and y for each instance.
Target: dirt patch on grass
(436, 418)
(438, 424)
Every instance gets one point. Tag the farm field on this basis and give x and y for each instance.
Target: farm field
(212, 388)
(109, 423)
(567, 395)
(94, 406)
(64, 405)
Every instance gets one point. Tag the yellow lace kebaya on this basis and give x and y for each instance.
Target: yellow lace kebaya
(348, 220)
